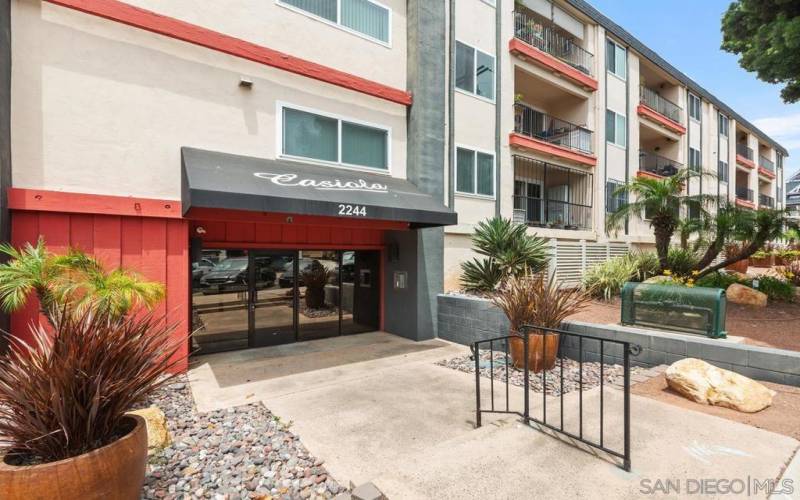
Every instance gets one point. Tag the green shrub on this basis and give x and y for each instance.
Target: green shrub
(681, 261)
(776, 289)
(717, 280)
(647, 265)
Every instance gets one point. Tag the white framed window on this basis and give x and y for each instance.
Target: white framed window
(615, 199)
(307, 134)
(616, 128)
(722, 171)
(694, 107)
(694, 159)
(616, 59)
(474, 71)
(475, 172)
(366, 18)
(723, 125)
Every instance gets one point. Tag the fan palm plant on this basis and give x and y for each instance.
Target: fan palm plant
(659, 201)
(74, 278)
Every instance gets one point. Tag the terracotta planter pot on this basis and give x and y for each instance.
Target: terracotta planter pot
(542, 351)
(763, 262)
(739, 267)
(115, 471)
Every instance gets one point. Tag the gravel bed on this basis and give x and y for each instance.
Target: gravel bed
(591, 372)
(236, 453)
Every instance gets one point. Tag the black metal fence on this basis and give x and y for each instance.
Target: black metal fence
(766, 201)
(766, 163)
(744, 193)
(744, 150)
(528, 121)
(547, 37)
(570, 346)
(662, 105)
(659, 165)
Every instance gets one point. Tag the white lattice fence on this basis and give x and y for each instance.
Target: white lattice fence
(571, 259)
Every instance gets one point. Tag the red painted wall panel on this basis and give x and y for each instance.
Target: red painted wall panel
(302, 235)
(156, 248)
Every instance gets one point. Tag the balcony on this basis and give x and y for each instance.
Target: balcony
(766, 201)
(551, 196)
(659, 110)
(744, 197)
(744, 156)
(545, 44)
(542, 133)
(655, 166)
(766, 167)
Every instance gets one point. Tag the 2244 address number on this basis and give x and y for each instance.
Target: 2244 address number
(353, 210)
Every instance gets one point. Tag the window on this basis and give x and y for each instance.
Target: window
(722, 171)
(694, 211)
(616, 59)
(365, 17)
(325, 138)
(616, 131)
(474, 172)
(723, 125)
(474, 71)
(694, 107)
(615, 201)
(694, 160)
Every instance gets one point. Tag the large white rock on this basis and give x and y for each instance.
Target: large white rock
(741, 294)
(705, 383)
(158, 436)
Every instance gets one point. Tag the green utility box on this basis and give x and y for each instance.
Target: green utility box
(677, 308)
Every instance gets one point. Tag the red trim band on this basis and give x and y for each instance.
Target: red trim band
(649, 175)
(660, 119)
(82, 203)
(741, 160)
(147, 20)
(520, 48)
(524, 142)
(745, 203)
(766, 173)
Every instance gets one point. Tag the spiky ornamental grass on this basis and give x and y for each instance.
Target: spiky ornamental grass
(66, 392)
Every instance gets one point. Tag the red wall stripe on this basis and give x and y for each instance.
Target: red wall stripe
(156, 248)
(147, 20)
(83, 203)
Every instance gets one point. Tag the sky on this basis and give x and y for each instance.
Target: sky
(687, 34)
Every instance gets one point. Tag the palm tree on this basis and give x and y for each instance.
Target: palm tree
(73, 279)
(660, 202)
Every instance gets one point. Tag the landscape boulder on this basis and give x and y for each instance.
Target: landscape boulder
(659, 280)
(706, 384)
(158, 436)
(741, 294)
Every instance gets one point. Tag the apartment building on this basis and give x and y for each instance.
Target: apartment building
(300, 169)
(792, 191)
(579, 107)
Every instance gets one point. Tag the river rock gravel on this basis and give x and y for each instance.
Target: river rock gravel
(572, 372)
(235, 453)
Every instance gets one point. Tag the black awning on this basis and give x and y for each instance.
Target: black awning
(219, 180)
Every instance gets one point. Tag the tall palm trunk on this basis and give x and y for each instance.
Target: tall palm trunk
(663, 229)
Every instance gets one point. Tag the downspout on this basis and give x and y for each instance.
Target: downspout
(498, 104)
(605, 134)
(451, 103)
(627, 123)
(701, 144)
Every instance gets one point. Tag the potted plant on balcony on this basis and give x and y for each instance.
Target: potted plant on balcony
(64, 394)
(532, 299)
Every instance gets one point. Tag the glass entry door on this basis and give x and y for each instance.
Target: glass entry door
(272, 297)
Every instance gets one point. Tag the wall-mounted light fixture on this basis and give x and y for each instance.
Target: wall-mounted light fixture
(200, 230)
(245, 82)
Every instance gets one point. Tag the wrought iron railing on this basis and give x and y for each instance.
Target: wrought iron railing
(659, 165)
(744, 193)
(549, 38)
(661, 105)
(743, 150)
(766, 201)
(553, 214)
(528, 121)
(766, 163)
(569, 348)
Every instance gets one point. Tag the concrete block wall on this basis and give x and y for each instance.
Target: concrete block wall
(466, 319)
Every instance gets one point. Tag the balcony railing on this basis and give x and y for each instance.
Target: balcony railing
(654, 101)
(743, 150)
(544, 127)
(548, 38)
(658, 165)
(552, 196)
(744, 194)
(766, 163)
(766, 201)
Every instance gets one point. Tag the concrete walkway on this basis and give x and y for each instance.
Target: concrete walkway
(376, 408)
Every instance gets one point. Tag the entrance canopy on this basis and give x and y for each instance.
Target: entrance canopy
(225, 181)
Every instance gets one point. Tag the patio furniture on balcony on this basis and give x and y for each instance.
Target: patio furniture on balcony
(744, 151)
(662, 106)
(549, 38)
(551, 196)
(658, 165)
(532, 123)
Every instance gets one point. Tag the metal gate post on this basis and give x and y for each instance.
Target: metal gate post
(476, 353)
(526, 410)
(627, 409)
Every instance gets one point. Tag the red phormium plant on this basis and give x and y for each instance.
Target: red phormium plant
(66, 394)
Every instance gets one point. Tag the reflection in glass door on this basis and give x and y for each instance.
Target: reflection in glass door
(318, 294)
(272, 297)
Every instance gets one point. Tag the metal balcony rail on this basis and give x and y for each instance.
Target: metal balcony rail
(553, 214)
(654, 101)
(766, 163)
(744, 194)
(528, 121)
(493, 360)
(743, 150)
(766, 201)
(659, 165)
(547, 37)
